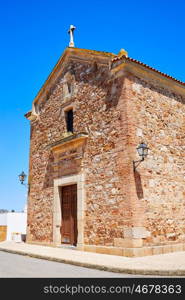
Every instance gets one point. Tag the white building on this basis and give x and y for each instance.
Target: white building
(15, 225)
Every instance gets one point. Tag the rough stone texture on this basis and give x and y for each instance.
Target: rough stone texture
(160, 122)
(96, 103)
(117, 112)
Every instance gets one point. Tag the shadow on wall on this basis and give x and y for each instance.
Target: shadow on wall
(138, 184)
(161, 90)
(114, 90)
(48, 179)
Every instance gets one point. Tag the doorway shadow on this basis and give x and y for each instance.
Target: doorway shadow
(138, 184)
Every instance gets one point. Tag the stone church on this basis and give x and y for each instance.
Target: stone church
(88, 186)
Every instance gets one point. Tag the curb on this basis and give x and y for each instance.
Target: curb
(100, 267)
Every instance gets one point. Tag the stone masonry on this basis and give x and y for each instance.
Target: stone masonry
(117, 103)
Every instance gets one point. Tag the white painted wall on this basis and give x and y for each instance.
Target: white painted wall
(3, 219)
(15, 222)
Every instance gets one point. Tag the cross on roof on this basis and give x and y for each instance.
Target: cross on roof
(70, 31)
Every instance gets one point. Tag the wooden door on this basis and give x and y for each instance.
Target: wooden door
(3, 232)
(69, 214)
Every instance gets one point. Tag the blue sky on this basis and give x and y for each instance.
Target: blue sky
(34, 35)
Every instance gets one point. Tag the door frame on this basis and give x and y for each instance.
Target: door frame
(57, 212)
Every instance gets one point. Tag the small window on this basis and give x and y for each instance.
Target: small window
(69, 120)
(69, 87)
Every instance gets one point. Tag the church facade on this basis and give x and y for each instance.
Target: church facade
(87, 121)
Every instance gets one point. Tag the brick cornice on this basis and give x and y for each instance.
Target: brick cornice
(147, 73)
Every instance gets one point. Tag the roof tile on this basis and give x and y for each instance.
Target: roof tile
(147, 66)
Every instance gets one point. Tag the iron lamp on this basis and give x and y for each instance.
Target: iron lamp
(22, 177)
(142, 150)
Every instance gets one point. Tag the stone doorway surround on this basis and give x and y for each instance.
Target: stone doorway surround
(57, 216)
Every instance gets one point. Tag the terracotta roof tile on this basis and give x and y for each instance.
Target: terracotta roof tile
(146, 66)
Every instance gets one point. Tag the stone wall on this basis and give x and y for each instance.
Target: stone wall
(160, 122)
(95, 98)
(123, 208)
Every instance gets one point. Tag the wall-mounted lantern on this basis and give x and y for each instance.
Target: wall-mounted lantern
(22, 177)
(142, 150)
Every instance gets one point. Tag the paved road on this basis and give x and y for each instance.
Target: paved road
(13, 265)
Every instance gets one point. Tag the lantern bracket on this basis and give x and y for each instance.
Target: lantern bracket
(142, 150)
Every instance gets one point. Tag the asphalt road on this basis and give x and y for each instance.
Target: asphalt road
(19, 266)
